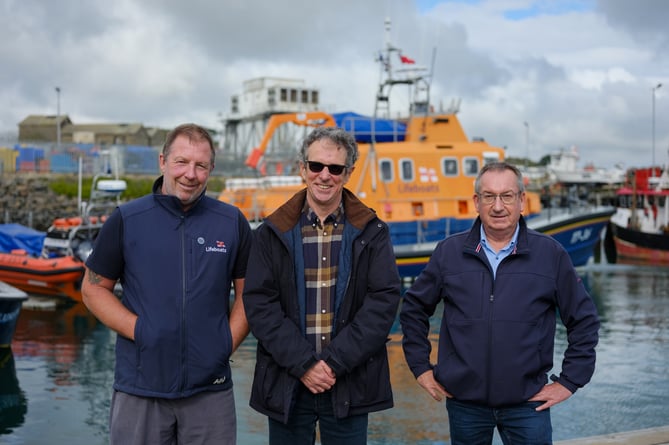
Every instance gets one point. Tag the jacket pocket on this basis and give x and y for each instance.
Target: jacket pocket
(157, 361)
(369, 383)
(272, 386)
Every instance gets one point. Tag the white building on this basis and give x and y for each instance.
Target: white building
(262, 97)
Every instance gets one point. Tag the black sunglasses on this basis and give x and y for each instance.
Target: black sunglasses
(334, 169)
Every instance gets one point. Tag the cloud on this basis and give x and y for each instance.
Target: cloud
(580, 73)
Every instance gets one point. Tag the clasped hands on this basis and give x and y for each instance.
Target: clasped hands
(319, 378)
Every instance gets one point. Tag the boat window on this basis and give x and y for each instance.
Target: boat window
(293, 95)
(284, 95)
(305, 96)
(386, 169)
(406, 168)
(314, 97)
(470, 166)
(449, 167)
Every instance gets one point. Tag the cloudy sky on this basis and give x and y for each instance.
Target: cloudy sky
(579, 73)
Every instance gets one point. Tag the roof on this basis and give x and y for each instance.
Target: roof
(123, 128)
(45, 119)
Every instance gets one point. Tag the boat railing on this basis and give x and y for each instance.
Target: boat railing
(74, 236)
(263, 183)
(105, 196)
(425, 233)
(557, 213)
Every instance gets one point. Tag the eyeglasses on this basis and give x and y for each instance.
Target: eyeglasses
(334, 169)
(490, 198)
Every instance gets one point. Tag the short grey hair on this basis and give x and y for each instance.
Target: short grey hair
(499, 166)
(339, 136)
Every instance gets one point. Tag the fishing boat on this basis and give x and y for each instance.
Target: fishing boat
(11, 300)
(417, 172)
(639, 229)
(58, 268)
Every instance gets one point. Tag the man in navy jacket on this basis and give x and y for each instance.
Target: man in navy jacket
(501, 285)
(176, 253)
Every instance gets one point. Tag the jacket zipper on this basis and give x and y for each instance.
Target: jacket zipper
(183, 303)
(491, 300)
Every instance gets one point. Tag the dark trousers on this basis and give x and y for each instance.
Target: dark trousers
(310, 409)
(472, 424)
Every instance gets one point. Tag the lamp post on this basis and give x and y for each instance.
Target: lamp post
(656, 87)
(527, 144)
(58, 118)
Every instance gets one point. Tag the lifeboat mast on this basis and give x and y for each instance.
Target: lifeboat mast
(414, 76)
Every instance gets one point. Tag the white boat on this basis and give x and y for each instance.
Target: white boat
(563, 168)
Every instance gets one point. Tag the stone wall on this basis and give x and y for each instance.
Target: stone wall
(28, 200)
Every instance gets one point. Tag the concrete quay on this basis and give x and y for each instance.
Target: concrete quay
(649, 436)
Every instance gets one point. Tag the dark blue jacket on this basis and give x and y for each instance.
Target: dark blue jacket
(176, 269)
(367, 297)
(497, 335)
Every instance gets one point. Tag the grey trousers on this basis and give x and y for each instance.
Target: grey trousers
(204, 418)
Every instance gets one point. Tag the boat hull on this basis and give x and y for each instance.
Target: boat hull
(633, 246)
(57, 277)
(578, 231)
(640, 227)
(11, 300)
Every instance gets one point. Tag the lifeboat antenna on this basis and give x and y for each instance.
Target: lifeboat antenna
(409, 74)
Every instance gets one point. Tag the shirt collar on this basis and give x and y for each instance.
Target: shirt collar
(335, 216)
(511, 245)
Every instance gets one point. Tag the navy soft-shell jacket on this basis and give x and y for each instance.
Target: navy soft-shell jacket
(497, 334)
(367, 297)
(176, 269)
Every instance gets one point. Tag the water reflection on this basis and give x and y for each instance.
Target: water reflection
(13, 405)
(64, 360)
(630, 386)
(416, 418)
(61, 372)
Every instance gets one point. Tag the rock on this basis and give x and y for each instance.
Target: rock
(28, 200)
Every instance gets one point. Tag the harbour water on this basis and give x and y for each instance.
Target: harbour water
(55, 384)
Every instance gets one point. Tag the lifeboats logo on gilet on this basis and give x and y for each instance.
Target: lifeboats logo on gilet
(219, 246)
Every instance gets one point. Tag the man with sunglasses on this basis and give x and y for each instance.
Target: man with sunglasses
(501, 286)
(321, 295)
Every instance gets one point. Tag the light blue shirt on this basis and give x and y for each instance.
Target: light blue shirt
(496, 257)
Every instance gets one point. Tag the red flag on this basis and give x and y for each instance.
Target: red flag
(405, 59)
